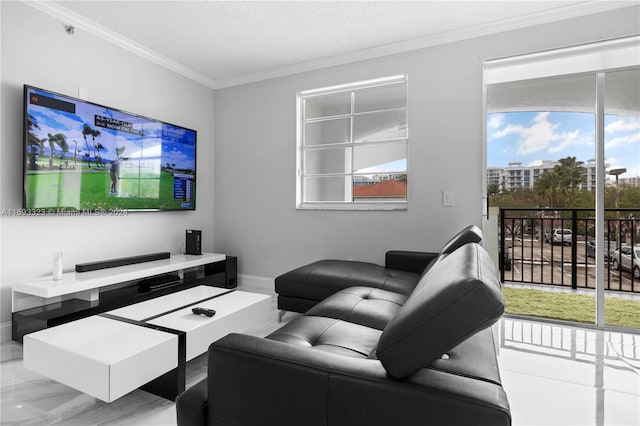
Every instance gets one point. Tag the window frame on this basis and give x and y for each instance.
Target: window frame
(351, 144)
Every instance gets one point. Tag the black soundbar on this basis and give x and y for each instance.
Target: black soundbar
(112, 263)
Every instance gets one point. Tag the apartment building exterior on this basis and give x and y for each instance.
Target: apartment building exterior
(631, 181)
(516, 176)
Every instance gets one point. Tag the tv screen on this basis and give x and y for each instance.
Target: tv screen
(80, 156)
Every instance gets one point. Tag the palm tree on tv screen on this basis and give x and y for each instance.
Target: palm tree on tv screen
(57, 139)
(99, 148)
(33, 141)
(98, 159)
(87, 130)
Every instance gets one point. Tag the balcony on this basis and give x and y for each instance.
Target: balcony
(532, 253)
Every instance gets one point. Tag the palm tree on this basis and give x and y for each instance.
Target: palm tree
(75, 153)
(570, 177)
(33, 141)
(547, 187)
(492, 189)
(87, 130)
(57, 139)
(564, 180)
(95, 133)
(100, 147)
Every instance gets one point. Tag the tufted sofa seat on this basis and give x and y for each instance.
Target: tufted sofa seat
(368, 356)
(371, 307)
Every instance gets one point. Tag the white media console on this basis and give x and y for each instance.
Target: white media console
(43, 302)
(86, 285)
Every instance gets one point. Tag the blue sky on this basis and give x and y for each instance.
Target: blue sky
(531, 137)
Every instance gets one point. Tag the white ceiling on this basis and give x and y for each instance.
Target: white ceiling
(222, 43)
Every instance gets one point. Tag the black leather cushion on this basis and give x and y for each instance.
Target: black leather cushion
(475, 357)
(321, 279)
(192, 405)
(469, 234)
(295, 304)
(458, 297)
(329, 335)
(371, 307)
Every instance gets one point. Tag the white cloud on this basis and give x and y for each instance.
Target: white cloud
(569, 138)
(542, 135)
(633, 171)
(496, 121)
(535, 138)
(177, 157)
(622, 141)
(628, 124)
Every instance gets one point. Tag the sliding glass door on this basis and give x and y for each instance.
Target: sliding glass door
(563, 173)
(622, 195)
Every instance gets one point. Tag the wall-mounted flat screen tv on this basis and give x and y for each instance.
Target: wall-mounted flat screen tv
(81, 156)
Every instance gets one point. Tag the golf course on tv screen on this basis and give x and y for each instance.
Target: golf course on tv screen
(80, 156)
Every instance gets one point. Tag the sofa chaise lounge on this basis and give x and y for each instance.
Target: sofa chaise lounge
(302, 288)
(368, 356)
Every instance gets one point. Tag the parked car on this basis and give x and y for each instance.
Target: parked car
(558, 235)
(628, 259)
(609, 247)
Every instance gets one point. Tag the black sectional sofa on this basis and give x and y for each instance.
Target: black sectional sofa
(302, 288)
(368, 356)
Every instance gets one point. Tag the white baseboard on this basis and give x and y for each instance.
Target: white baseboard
(263, 284)
(5, 332)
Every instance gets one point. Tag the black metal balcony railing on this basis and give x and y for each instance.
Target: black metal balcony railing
(531, 252)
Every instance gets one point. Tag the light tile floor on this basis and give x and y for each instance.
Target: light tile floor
(553, 375)
(566, 375)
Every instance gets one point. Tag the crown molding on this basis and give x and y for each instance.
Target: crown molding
(566, 12)
(81, 22)
(559, 14)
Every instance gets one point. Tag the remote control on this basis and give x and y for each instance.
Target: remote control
(204, 311)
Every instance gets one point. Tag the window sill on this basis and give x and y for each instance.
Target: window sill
(380, 206)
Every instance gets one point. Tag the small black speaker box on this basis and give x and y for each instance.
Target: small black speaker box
(222, 274)
(194, 242)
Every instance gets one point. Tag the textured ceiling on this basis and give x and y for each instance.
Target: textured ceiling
(226, 42)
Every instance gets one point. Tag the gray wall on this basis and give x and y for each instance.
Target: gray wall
(37, 51)
(255, 215)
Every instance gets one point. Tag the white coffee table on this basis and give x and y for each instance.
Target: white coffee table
(156, 337)
(236, 311)
(101, 357)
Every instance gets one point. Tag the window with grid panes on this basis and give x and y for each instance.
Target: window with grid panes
(352, 146)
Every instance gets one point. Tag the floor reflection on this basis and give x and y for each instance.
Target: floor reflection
(565, 375)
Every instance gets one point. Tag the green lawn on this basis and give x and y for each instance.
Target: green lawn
(570, 307)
